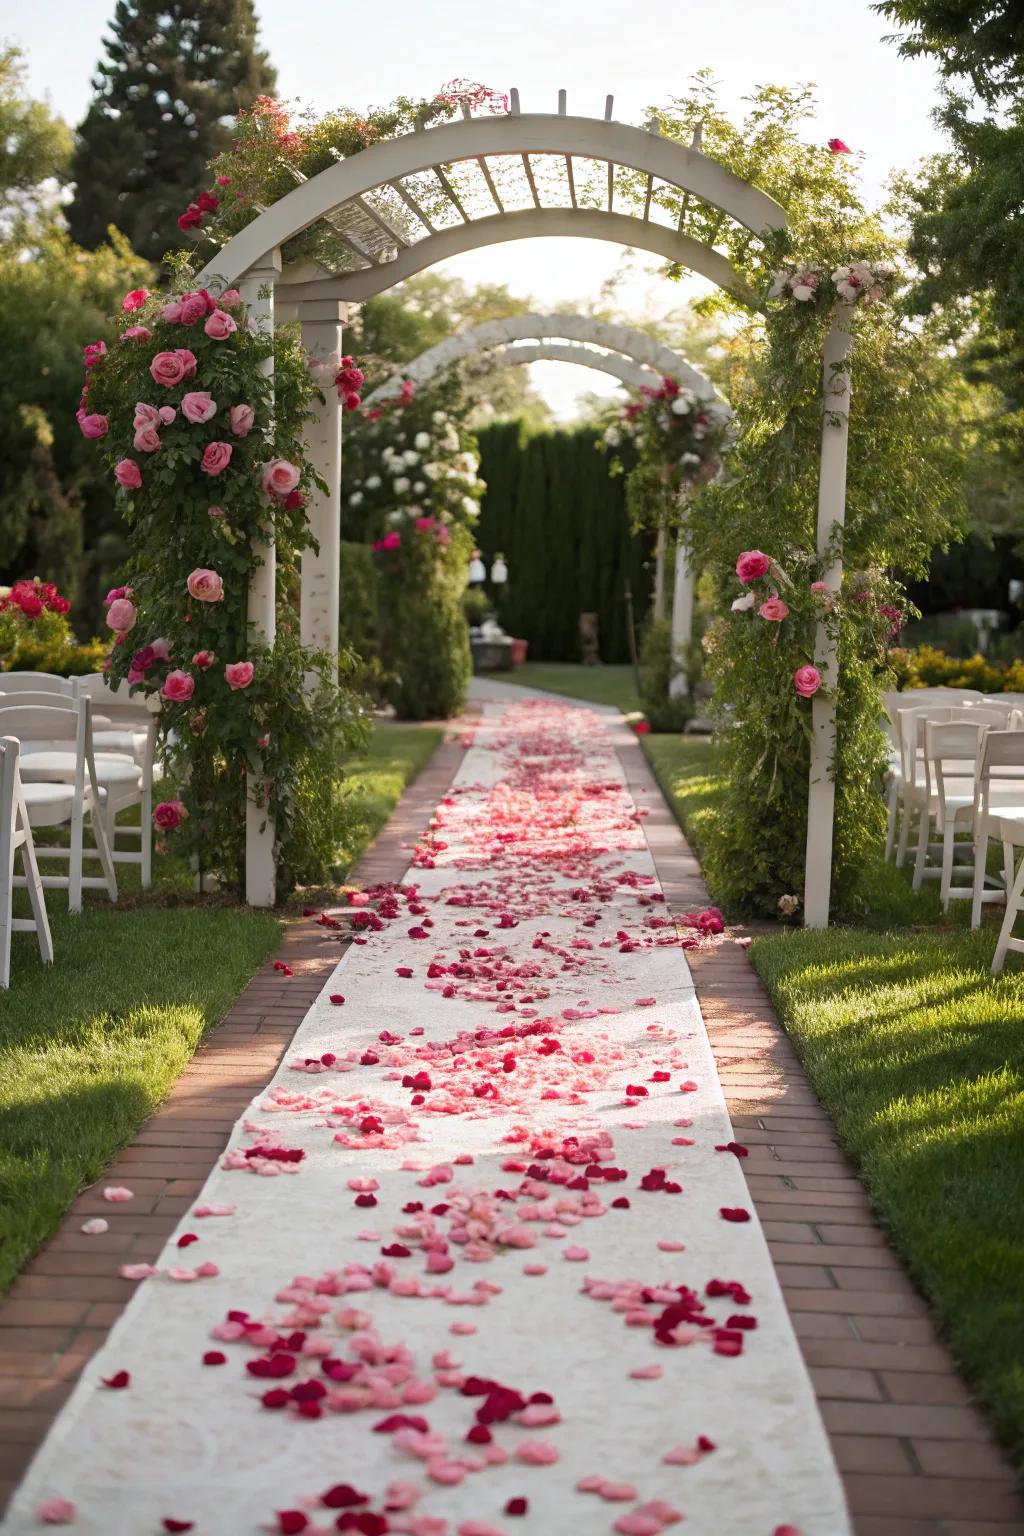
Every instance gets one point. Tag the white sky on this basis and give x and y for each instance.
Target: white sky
(347, 52)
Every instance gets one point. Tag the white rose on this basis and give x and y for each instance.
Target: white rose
(803, 293)
(396, 517)
(680, 406)
(432, 471)
(411, 456)
(469, 506)
(356, 499)
(745, 603)
(387, 453)
(419, 487)
(613, 437)
(372, 482)
(439, 418)
(422, 441)
(690, 458)
(778, 286)
(401, 485)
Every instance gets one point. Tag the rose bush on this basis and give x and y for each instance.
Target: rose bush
(190, 417)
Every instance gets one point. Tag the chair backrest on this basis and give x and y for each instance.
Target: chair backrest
(949, 747)
(910, 723)
(62, 721)
(36, 682)
(9, 748)
(114, 699)
(982, 714)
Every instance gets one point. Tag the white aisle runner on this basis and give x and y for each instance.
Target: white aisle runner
(494, 1211)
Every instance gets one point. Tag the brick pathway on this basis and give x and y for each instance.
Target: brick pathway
(917, 1458)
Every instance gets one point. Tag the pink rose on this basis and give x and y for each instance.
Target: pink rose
(172, 312)
(215, 511)
(198, 406)
(114, 593)
(806, 681)
(752, 564)
(231, 296)
(134, 300)
(168, 369)
(279, 477)
(193, 308)
(145, 415)
(220, 326)
(121, 615)
(774, 609)
(92, 354)
(178, 687)
(167, 414)
(161, 649)
(238, 674)
(205, 586)
(93, 425)
(147, 440)
(169, 815)
(187, 359)
(203, 660)
(216, 457)
(242, 418)
(819, 586)
(128, 474)
(136, 333)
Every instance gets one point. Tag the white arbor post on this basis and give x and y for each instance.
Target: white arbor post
(821, 794)
(659, 576)
(322, 322)
(682, 621)
(257, 289)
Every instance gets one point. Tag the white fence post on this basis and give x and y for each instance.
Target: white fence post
(659, 576)
(682, 621)
(821, 793)
(319, 603)
(257, 289)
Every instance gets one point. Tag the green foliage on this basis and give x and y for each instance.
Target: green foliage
(657, 669)
(176, 73)
(982, 39)
(928, 667)
(561, 521)
(360, 599)
(270, 727)
(37, 145)
(425, 637)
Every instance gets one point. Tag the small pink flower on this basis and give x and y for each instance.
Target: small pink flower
(751, 565)
(128, 474)
(93, 425)
(93, 353)
(241, 418)
(147, 440)
(145, 416)
(136, 333)
(56, 1512)
(838, 147)
(134, 300)
(215, 511)
(220, 326)
(194, 307)
(216, 458)
(203, 660)
(178, 687)
(167, 414)
(280, 477)
(169, 815)
(168, 369)
(117, 1194)
(171, 313)
(161, 649)
(231, 296)
(198, 406)
(774, 609)
(121, 616)
(238, 674)
(205, 586)
(806, 681)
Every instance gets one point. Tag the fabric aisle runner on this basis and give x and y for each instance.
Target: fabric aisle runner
(468, 1265)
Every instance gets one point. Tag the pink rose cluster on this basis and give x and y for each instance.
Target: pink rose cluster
(390, 541)
(349, 381)
(33, 598)
(121, 613)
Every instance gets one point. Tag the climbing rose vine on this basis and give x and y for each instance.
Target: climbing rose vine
(208, 464)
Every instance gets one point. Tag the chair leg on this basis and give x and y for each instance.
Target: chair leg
(37, 901)
(980, 861)
(99, 832)
(75, 857)
(146, 838)
(924, 827)
(892, 799)
(948, 835)
(901, 850)
(1013, 904)
(6, 918)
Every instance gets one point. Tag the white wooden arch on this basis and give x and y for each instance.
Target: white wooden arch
(404, 204)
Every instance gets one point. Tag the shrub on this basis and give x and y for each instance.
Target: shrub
(36, 634)
(425, 635)
(928, 667)
(663, 712)
(360, 600)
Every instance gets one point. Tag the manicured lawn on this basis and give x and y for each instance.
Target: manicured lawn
(598, 685)
(918, 1054)
(89, 1047)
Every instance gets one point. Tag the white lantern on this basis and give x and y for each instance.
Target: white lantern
(477, 569)
(499, 571)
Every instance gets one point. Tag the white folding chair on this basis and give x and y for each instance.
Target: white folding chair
(1010, 832)
(131, 728)
(918, 795)
(951, 752)
(57, 758)
(999, 794)
(15, 838)
(893, 702)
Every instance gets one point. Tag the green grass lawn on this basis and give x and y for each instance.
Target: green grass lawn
(918, 1054)
(90, 1046)
(598, 685)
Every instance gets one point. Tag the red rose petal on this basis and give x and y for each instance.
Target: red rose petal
(170, 1524)
(117, 1381)
(733, 1213)
(215, 1357)
(516, 1507)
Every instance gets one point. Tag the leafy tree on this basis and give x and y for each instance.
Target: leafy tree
(980, 39)
(176, 72)
(37, 145)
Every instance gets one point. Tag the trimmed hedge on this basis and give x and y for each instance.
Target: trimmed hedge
(552, 508)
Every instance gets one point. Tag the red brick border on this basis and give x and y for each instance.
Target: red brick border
(917, 1457)
(60, 1310)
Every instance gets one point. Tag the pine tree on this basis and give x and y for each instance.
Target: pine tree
(175, 73)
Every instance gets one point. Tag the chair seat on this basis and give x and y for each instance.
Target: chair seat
(111, 768)
(124, 740)
(47, 805)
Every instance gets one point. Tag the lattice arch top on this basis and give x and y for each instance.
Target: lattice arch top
(367, 222)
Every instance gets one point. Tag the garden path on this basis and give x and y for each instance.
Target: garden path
(537, 857)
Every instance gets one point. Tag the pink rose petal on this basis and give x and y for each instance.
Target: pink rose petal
(117, 1194)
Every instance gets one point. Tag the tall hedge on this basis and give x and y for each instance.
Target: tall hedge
(552, 508)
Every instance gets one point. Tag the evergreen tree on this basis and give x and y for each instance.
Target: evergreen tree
(175, 73)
